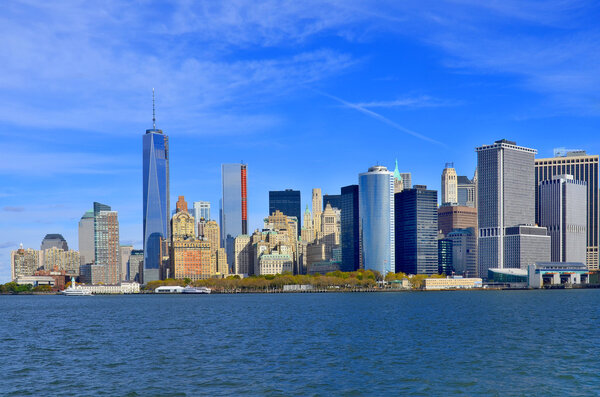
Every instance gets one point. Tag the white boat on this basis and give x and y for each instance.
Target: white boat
(196, 290)
(76, 290)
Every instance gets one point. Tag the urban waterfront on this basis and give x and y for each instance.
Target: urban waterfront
(475, 342)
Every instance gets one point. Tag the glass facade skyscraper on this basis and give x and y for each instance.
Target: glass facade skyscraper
(350, 230)
(288, 202)
(156, 200)
(376, 214)
(334, 199)
(234, 210)
(416, 231)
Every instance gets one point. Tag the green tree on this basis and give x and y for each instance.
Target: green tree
(42, 288)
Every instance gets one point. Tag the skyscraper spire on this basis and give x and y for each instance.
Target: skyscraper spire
(397, 172)
(153, 112)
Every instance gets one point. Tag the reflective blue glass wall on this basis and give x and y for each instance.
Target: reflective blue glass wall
(376, 212)
(156, 200)
(231, 207)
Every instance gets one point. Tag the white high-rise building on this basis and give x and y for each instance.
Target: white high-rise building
(376, 222)
(563, 210)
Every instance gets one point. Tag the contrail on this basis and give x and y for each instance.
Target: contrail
(379, 117)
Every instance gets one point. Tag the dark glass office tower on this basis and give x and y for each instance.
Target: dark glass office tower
(416, 231)
(334, 199)
(349, 225)
(288, 202)
(445, 256)
(156, 200)
(234, 209)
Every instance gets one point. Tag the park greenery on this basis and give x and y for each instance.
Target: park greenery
(14, 288)
(338, 280)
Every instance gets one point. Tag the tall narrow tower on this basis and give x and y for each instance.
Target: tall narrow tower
(156, 197)
(234, 207)
(317, 205)
(449, 185)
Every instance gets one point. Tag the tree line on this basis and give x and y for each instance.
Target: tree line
(338, 280)
(14, 288)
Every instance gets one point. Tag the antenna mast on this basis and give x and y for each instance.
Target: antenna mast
(153, 112)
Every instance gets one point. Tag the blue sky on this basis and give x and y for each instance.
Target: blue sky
(307, 93)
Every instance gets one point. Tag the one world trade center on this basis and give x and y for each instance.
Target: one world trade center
(156, 198)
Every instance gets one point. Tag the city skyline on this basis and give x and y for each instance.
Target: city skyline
(303, 88)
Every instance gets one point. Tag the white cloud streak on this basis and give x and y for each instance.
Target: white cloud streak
(381, 118)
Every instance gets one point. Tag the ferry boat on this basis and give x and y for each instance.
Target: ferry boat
(76, 290)
(196, 290)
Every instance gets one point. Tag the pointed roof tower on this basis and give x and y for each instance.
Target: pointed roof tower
(397, 175)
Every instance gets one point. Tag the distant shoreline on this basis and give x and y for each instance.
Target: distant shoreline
(321, 291)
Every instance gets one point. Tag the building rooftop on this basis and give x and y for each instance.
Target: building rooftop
(463, 180)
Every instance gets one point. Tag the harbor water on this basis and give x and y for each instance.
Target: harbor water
(322, 344)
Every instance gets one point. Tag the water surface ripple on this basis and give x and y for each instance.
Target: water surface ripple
(441, 343)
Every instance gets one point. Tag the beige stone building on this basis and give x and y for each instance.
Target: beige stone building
(24, 262)
(307, 233)
(191, 258)
(243, 254)
(56, 259)
(449, 185)
(183, 225)
(317, 210)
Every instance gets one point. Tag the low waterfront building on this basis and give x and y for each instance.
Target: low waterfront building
(452, 283)
(36, 280)
(60, 277)
(513, 277)
(543, 274)
(297, 287)
(169, 289)
(125, 287)
(275, 263)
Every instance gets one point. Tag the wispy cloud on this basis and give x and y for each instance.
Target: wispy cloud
(100, 62)
(8, 244)
(423, 101)
(16, 161)
(13, 209)
(381, 118)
